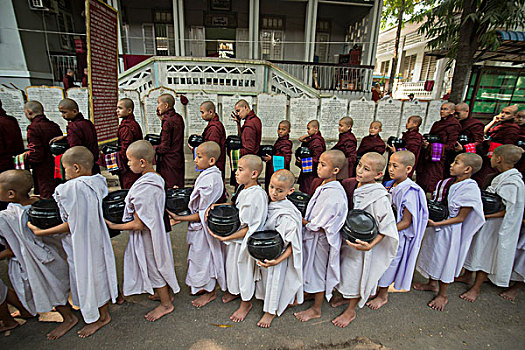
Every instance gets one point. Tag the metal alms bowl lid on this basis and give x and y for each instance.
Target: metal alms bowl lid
(359, 224)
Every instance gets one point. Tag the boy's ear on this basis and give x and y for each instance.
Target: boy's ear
(212, 160)
(379, 174)
(11, 193)
(292, 189)
(76, 167)
(336, 171)
(409, 168)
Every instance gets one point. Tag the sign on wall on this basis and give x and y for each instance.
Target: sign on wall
(302, 110)
(389, 114)
(362, 112)
(81, 96)
(271, 109)
(193, 115)
(332, 110)
(49, 97)
(13, 104)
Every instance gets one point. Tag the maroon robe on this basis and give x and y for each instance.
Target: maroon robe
(413, 141)
(283, 148)
(11, 142)
(347, 144)
(128, 132)
(428, 171)
(39, 134)
(81, 132)
(170, 151)
(215, 132)
(371, 143)
(473, 129)
(506, 132)
(521, 163)
(68, 82)
(251, 133)
(317, 145)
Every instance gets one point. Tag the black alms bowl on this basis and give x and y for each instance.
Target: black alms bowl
(463, 140)
(44, 214)
(108, 149)
(359, 225)
(303, 152)
(437, 211)
(233, 142)
(177, 200)
(492, 203)
(223, 220)
(300, 200)
(113, 206)
(153, 139)
(396, 142)
(265, 245)
(59, 147)
(266, 150)
(432, 138)
(195, 140)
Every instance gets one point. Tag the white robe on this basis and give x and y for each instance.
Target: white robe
(360, 270)
(518, 270)
(205, 253)
(326, 215)
(241, 275)
(494, 246)
(92, 271)
(281, 284)
(445, 248)
(38, 271)
(148, 259)
(407, 195)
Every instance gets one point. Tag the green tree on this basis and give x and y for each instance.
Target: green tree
(465, 26)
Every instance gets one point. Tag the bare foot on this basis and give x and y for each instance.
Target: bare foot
(7, 326)
(377, 302)
(338, 301)
(426, 287)
(120, 299)
(64, 327)
(307, 315)
(240, 314)
(470, 295)
(511, 293)
(158, 312)
(204, 299)
(93, 327)
(465, 278)
(438, 303)
(344, 319)
(23, 314)
(227, 297)
(266, 320)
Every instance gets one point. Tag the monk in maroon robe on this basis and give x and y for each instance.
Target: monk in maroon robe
(39, 134)
(283, 148)
(347, 144)
(470, 127)
(250, 132)
(502, 130)
(170, 151)
(429, 172)
(413, 139)
(214, 131)
(69, 80)
(315, 142)
(11, 142)
(128, 132)
(372, 142)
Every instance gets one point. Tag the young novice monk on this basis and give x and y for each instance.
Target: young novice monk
(492, 250)
(92, 271)
(325, 216)
(315, 142)
(282, 278)
(347, 144)
(37, 265)
(362, 263)
(446, 243)
(128, 132)
(252, 203)
(148, 259)
(410, 204)
(205, 253)
(214, 131)
(372, 142)
(283, 148)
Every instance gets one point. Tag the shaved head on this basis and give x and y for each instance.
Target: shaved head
(449, 104)
(242, 104)
(314, 124)
(208, 106)
(70, 71)
(284, 176)
(511, 154)
(34, 106)
(416, 119)
(19, 181)
(286, 124)
(142, 149)
(68, 104)
(337, 158)
(128, 103)
(78, 155)
(512, 108)
(347, 121)
(406, 158)
(210, 148)
(472, 160)
(252, 162)
(167, 98)
(377, 122)
(462, 107)
(376, 159)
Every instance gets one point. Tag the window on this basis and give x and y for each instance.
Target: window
(271, 37)
(407, 71)
(428, 68)
(125, 41)
(385, 68)
(159, 39)
(322, 38)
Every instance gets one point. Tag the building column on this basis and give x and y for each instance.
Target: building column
(310, 25)
(178, 27)
(439, 77)
(116, 5)
(373, 37)
(253, 29)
